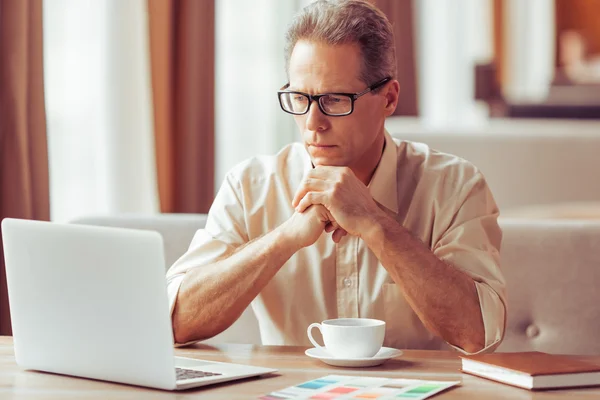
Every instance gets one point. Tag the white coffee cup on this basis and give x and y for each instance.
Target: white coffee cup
(349, 337)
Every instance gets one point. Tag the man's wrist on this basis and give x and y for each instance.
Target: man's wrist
(285, 237)
(377, 229)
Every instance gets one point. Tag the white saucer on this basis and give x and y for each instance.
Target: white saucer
(384, 354)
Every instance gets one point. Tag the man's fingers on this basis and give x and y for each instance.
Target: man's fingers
(327, 172)
(309, 185)
(338, 234)
(331, 219)
(332, 225)
(312, 198)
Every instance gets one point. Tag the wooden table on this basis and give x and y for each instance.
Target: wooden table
(294, 367)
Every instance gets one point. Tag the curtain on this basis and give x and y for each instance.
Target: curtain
(182, 49)
(581, 16)
(24, 191)
(499, 32)
(401, 14)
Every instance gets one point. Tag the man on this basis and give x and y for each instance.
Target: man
(414, 236)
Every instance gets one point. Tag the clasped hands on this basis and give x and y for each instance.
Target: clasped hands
(347, 202)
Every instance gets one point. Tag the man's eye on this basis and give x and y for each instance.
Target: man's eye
(333, 99)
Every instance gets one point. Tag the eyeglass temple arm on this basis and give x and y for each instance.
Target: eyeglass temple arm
(372, 87)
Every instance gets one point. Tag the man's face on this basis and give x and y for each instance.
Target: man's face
(350, 140)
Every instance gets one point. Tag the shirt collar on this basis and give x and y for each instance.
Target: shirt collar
(383, 185)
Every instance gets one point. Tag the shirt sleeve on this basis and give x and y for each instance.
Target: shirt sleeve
(225, 231)
(471, 241)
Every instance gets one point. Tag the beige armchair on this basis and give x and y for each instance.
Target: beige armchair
(552, 270)
(527, 163)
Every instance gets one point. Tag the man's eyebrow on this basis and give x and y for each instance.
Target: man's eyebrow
(294, 89)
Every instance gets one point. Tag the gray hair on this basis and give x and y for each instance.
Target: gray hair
(336, 22)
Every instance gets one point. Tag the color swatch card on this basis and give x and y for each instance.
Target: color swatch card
(340, 387)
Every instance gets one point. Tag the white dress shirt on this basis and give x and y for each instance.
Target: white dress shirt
(442, 199)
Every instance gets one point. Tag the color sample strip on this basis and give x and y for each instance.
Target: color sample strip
(360, 388)
(398, 385)
(292, 392)
(325, 396)
(343, 390)
(411, 396)
(334, 393)
(424, 391)
(318, 383)
(375, 393)
(314, 385)
(366, 382)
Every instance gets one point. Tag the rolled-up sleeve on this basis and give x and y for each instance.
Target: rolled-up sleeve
(470, 241)
(225, 231)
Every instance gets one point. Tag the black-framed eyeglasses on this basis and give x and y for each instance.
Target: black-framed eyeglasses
(332, 104)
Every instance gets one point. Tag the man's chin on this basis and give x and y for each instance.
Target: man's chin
(327, 162)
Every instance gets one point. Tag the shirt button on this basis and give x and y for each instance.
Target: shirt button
(532, 331)
(347, 282)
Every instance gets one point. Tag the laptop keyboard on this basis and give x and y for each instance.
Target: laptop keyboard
(183, 373)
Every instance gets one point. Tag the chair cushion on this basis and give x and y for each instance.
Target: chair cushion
(177, 230)
(552, 269)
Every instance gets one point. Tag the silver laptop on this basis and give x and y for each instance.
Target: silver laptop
(92, 302)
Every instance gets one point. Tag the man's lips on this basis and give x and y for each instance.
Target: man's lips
(324, 146)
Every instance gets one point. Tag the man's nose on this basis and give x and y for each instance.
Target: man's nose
(315, 119)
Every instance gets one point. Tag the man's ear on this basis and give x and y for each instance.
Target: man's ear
(392, 93)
